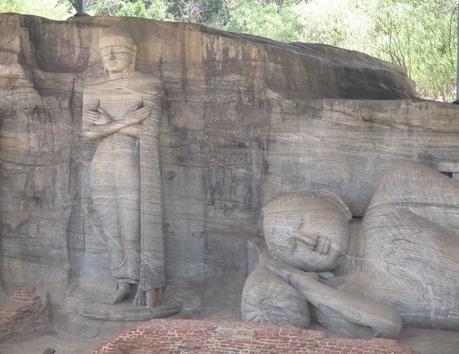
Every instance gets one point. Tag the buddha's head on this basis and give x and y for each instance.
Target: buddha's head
(118, 53)
(307, 230)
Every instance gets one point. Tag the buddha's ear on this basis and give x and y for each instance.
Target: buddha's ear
(337, 201)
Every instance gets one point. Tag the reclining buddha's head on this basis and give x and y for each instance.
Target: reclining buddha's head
(308, 230)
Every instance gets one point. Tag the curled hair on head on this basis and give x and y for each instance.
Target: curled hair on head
(337, 201)
(283, 202)
(111, 39)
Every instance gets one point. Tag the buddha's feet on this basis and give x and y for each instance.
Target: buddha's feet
(120, 294)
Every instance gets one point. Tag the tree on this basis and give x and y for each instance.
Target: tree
(265, 20)
(345, 24)
(421, 37)
(417, 35)
(105, 7)
(211, 12)
(81, 7)
(154, 9)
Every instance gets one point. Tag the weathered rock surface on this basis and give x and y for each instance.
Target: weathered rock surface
(410, 234)
(244, 119)
(307, 236)
(23, 315)
(266, 298)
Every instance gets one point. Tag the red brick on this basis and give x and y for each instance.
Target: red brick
(201, 336)
(23, 314)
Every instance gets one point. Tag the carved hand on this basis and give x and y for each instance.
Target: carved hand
(286, 271)
(351, 306)
(102, 127)
(136, 115)
(99, 117)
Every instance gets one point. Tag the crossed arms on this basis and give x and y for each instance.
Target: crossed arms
(102, 124)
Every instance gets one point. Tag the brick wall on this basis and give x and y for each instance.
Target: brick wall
(23, 314)
(193, 336)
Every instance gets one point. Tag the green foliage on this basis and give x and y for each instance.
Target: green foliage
(215, 12)
(210, 12)
(267, 20)
(154, 9)
(104, 8)
(421, 37)
(418, 35)
(134, 9)
(346, 23)
(46, 8)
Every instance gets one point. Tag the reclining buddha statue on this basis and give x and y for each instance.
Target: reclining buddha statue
(408, 272)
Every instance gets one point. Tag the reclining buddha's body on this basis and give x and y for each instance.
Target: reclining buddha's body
(411, 246)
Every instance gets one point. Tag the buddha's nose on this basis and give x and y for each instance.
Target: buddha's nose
(112, 55)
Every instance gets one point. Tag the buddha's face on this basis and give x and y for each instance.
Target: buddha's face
(117, 58)
(311, 235)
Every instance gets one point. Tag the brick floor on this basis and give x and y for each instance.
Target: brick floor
(194, 336)
(23, 314)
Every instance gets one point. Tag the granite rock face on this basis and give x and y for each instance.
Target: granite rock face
(307, 236)
(411, 238)
(266, 298)
(243, 120)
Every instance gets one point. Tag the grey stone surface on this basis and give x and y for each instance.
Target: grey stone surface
(307, 236)
(345, 146)
(407, 254)
(428, 341)
(411, 241)
(266, 298)
(307, 230)
(243, 120)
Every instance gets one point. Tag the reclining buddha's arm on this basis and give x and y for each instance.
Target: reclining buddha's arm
(354, 308)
